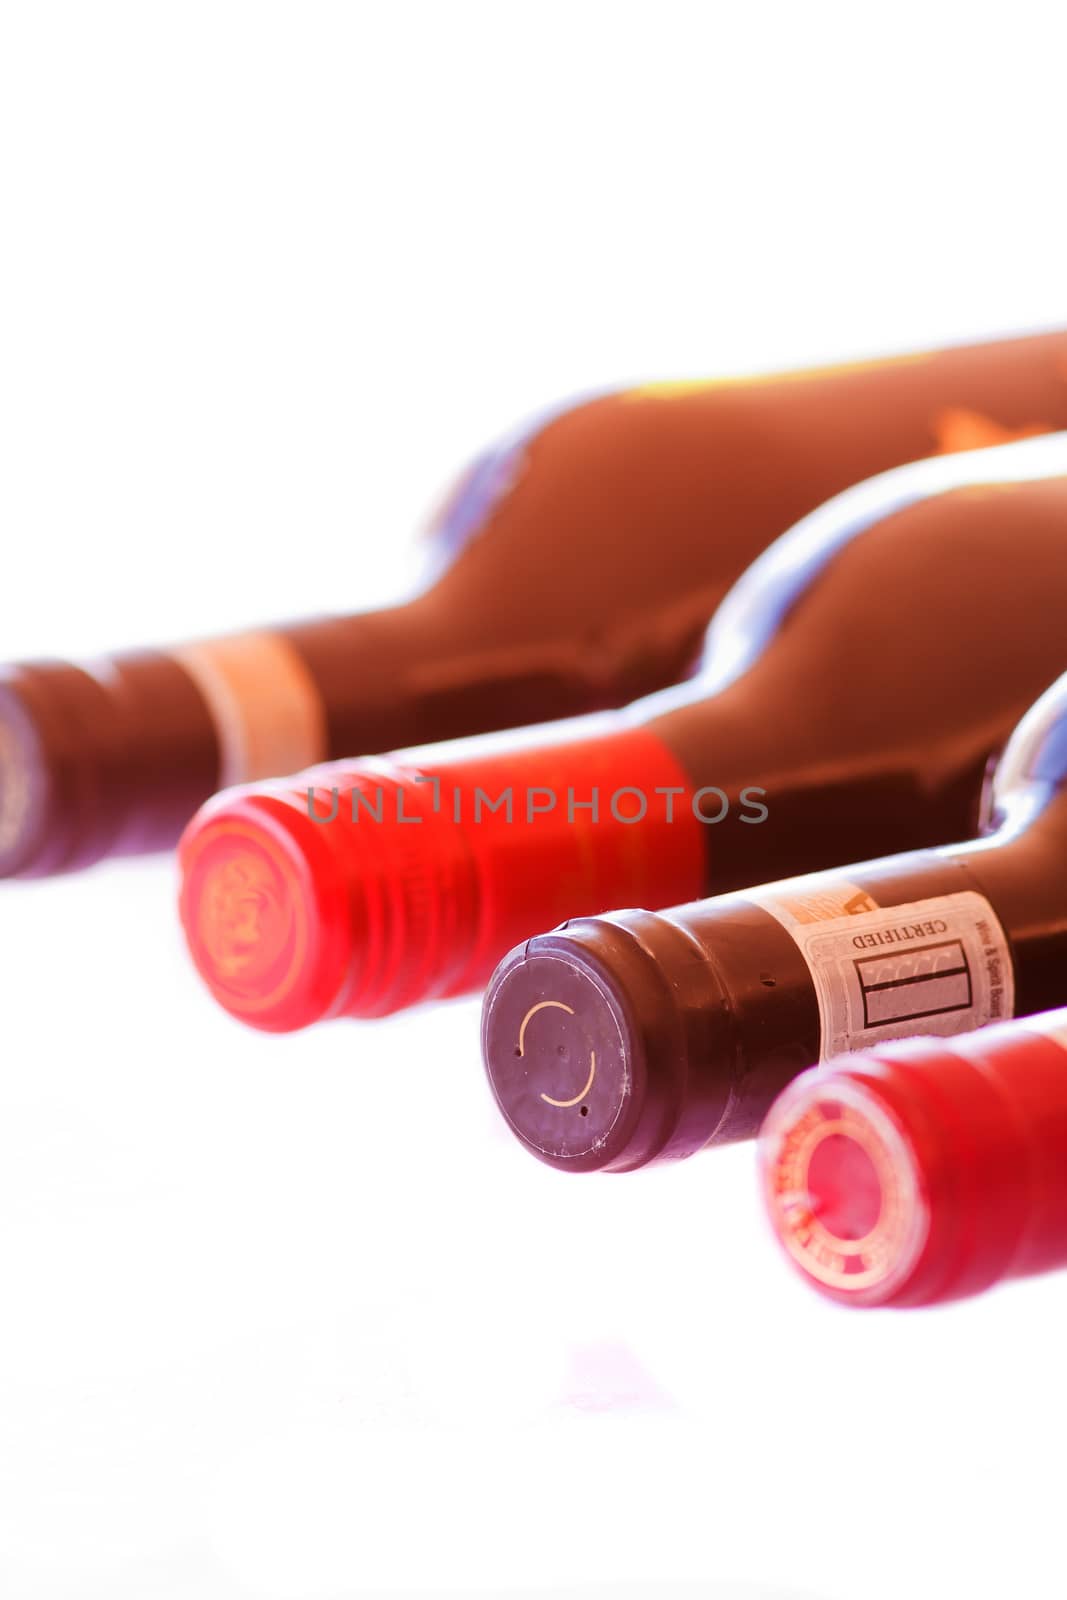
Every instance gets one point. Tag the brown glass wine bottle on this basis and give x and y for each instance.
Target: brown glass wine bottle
(630, 1038)
(856, 682)
(574, 569)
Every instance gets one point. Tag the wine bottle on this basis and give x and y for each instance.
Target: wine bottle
(630, 1038)
(924, 1171)
(856, 681)
(575, 568)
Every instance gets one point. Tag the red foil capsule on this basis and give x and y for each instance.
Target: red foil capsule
(436, 869)
(924, 1171)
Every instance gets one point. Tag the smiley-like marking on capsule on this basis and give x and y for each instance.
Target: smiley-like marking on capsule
(558, 1005)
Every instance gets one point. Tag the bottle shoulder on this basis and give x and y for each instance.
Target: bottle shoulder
(794, 566)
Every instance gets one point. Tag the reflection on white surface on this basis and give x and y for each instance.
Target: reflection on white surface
(285, 1318)
(624, 1590)
(607, 1376)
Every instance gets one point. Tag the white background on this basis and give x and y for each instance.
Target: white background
(292, 1317)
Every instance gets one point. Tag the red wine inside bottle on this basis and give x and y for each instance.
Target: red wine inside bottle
(855, 685)
(634, 1037)
(575, 568)
(926, 1171)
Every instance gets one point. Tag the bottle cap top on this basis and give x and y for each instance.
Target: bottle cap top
(844, 1187)
(585, 1044)
(263, 914)
(28, 787)
(562, 1058)
(98, 760)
